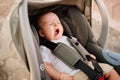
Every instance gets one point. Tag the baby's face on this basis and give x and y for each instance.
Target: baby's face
(51, 27)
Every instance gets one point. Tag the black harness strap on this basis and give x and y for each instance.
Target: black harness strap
(92, 74)
(95, 64)
(50, 45)
(86, 69)
(96, 74)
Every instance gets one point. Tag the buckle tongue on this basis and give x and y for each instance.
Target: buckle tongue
(100, 77)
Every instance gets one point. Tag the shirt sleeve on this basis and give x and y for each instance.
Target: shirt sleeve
(45, 52)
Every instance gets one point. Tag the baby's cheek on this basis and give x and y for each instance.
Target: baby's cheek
(50, 36)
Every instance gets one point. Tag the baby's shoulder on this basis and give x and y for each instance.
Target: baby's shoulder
(44, 48)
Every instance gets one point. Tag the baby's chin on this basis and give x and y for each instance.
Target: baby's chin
(57, 37)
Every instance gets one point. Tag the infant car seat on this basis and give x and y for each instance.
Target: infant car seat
(75, 24)
(82, 30)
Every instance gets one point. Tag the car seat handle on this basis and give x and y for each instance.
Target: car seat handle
(105, 22)
(29, 43)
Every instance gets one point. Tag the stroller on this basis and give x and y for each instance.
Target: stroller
(28, 47)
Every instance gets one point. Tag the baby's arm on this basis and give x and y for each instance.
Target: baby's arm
(56, 75)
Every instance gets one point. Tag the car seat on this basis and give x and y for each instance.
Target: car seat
(29, 38)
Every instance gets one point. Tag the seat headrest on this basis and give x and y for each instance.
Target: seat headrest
(74, 24)
(67, 30)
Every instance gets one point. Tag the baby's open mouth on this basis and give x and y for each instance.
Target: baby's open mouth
(56, 31)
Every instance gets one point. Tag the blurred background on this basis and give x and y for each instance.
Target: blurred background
(11, 65)
(113, 7)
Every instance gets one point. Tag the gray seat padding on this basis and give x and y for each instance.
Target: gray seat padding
(75, 24)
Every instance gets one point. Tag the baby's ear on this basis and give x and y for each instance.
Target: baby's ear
(41, 33)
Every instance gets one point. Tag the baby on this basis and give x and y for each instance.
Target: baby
(51, 29)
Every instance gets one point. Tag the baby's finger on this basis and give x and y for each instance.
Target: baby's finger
(70, 78)
(91, 55)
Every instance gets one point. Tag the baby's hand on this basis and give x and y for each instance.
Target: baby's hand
(65, 76)
(91, 55)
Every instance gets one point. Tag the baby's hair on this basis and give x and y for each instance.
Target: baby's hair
(34, 19)
(39, 17)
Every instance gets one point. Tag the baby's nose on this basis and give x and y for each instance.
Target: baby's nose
(55, 24)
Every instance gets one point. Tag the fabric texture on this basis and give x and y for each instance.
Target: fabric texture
(62, 67)
(82, 76)
(56, 62)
